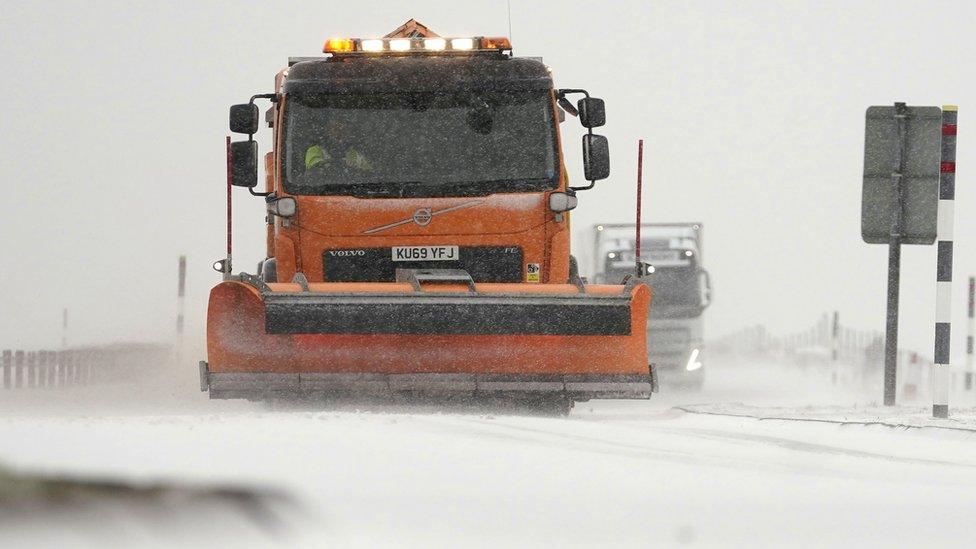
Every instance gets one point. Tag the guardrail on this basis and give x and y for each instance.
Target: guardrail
(22, 369)
(45, 368)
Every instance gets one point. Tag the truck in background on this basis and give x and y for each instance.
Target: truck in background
(681, 286)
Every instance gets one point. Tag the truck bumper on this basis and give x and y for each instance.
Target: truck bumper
(369, 338)
(261, 386)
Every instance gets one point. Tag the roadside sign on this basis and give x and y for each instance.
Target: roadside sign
(900, 198)
(902, 151)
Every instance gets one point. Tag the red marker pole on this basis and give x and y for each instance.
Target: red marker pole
(640, 173)
(230, 166)
(943, 271)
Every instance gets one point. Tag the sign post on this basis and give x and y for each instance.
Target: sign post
(899, 199)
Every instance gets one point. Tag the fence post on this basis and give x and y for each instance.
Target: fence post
(834, 346)
(52, 367)
(52, 373)
(181, 305)
(67, 366)
(41, 368)
(52, 364)
(58, 363)
(8, 364)
(19, 369)
(63, 375)
(31, 375)
(83, 361)
(77, 374)
(971, 313)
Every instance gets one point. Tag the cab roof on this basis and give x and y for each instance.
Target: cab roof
(416, 74)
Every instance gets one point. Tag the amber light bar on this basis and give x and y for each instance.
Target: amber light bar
(415, 45)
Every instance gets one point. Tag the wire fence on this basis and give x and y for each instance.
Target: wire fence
(848, 357)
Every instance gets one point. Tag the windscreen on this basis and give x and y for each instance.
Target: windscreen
(420, 143)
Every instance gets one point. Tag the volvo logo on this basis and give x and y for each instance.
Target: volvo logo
(422, 217)
(347, 253)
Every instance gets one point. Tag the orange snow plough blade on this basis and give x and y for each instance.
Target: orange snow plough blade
(281, 339)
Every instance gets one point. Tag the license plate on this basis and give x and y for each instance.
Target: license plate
(425, 253)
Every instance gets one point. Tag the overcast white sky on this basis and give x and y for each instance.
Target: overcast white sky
(115, 114)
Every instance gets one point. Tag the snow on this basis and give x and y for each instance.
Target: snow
(612, 473)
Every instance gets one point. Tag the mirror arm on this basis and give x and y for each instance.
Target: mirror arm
(272, 96)
(563, 102)
(586, 188)
(250, 137)
(566, 91)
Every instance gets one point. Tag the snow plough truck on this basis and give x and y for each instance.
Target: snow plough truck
(418, 235)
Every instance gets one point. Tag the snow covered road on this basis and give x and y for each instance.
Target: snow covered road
(613, 473)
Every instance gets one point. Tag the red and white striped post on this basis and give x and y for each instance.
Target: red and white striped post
(943, 288)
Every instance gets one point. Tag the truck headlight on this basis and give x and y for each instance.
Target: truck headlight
(283, 207)
(693, 363)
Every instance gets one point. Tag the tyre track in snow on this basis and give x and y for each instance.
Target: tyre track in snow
(728, 451)
(800, 446)
(502, 431)
(634, 420)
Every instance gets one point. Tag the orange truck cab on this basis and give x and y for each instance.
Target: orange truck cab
(419, 234)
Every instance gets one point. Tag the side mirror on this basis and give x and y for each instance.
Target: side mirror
(244, 118)
(596, 157)
(592, 112)
(244, 164)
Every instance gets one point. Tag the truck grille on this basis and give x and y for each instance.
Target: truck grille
(483, 263)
